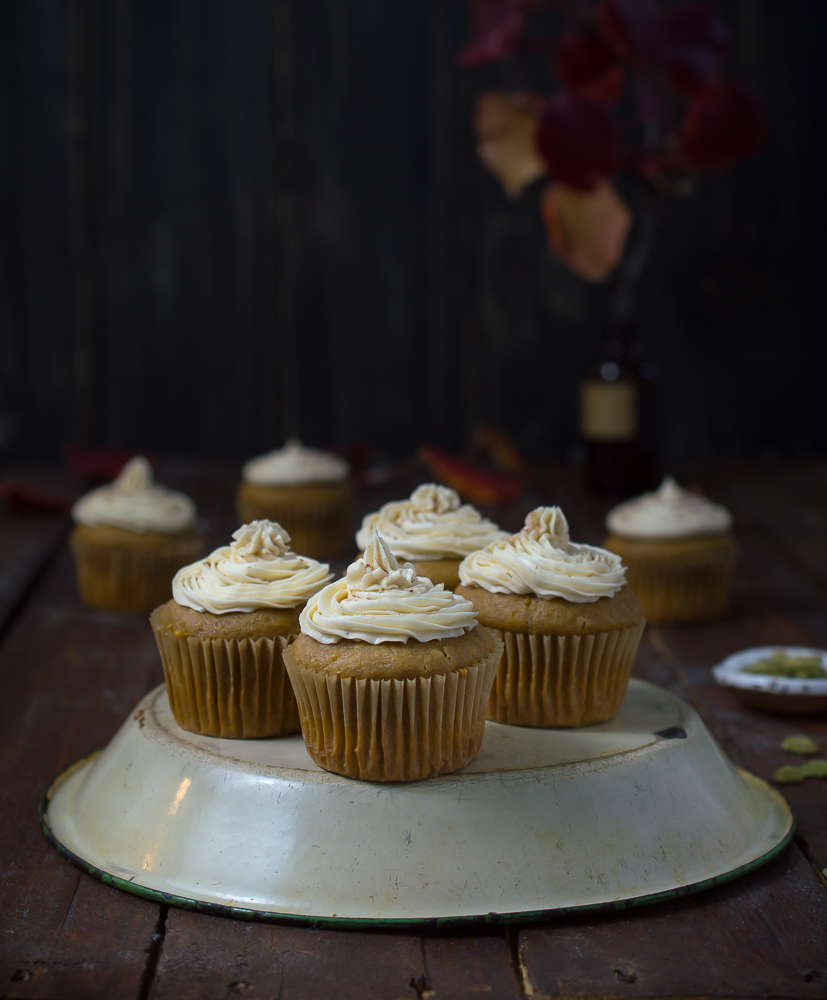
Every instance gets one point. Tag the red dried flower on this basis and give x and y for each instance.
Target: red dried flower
(579, 140)
(585, 63)
(692, 43)
(496, 25)
(724, 125)
(627, 27)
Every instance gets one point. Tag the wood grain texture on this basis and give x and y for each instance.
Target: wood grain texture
(764, 935)
(210, 958)
(78, 673)
(276, 202)
(70, 676)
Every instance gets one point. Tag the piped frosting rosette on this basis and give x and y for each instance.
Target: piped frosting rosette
(432, 524)
(295, 465)
(135, 502)
(669, 512)
(380, 601)
(257, 570)
(542, 560)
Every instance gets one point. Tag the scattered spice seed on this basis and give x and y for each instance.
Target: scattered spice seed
(782, 665)
(799, 744)
(790, 775)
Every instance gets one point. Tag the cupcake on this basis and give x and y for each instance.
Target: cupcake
(432, 530)
(129, 539)
(391, 672)
(307, 491)
(678, 551)
(569, 622)
(223, 634)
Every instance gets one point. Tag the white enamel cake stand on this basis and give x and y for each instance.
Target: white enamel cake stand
(641, 808)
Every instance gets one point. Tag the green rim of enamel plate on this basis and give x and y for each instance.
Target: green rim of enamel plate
(376, 923)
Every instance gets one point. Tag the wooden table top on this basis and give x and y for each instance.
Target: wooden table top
(70, 676)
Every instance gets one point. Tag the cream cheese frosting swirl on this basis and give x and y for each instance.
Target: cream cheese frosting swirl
(541, 560)
(133, 501)
(294, 465)
(257, 570)
(380, 601)
(430, 525)
(669, 512)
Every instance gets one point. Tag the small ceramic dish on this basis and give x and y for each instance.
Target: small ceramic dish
(789, 695)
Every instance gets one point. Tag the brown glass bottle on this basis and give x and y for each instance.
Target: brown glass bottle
(610, 418)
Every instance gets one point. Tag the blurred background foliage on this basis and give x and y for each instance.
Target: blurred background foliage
(225, 222)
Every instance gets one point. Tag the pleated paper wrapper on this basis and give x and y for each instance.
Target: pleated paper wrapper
(317, 530)
(394, 729)
(234, 688)
(683, 589)
(130, 579)
(563, 680)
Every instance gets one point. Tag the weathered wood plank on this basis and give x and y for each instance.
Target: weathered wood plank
(210, 958)
(763, 935)
(207, 957)
(69, 677)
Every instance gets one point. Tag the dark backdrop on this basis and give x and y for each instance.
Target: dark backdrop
(223, 221)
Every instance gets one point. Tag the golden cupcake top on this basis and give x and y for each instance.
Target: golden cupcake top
(295, 465)
(543, 561)
(256, 570)
(135, 502)
(668, 512)
(380, 601)
(432, 524)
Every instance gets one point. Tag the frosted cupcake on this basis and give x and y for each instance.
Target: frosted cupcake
(129, 539)
(306, 490)
(678, 551)
(432, 530)
(570, 624)
(391, 673)
(223, 634)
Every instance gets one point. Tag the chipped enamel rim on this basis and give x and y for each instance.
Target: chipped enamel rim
(359, 923)
(730, 672)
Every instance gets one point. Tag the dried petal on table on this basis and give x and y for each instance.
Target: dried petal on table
(505, 129)
(587, 230)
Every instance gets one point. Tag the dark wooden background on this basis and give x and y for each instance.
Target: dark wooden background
(222, 221)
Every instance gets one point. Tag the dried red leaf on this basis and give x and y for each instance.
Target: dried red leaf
(100, 464)
(724, 125)
(627, 27)
(692, 43)
(24, 498)
(587, 230)
(585, 63)
(505, 127)
(579, 140)
(474, 483)
(496, 26)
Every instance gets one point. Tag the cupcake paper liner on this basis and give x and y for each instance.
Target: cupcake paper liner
(233, 688)
(130, 579)
(316, 529)
(393, 729)
(563, 680)
(682, 591)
